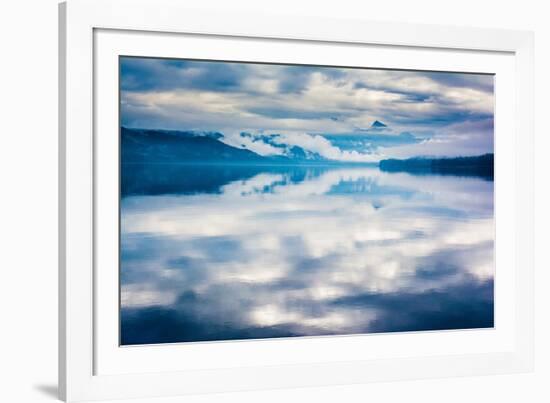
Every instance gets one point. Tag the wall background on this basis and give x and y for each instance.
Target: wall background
(28, 199)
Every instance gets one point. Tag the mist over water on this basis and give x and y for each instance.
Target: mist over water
(237, 252)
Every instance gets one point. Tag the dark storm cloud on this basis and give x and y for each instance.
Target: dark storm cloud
(140, 74)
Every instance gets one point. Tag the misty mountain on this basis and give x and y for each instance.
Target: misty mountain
(293, 152)
(165, 146)
(162, 146)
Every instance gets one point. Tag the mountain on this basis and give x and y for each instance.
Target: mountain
(377, 124)
(380, 131)
(481, 166)
(163, 146)
(186, 162)
(370, 140)
(167, 146)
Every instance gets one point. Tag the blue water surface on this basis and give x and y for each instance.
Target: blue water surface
(238, 252)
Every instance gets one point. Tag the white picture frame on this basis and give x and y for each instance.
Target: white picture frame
(94, 32)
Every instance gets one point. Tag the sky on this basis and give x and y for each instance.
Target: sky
(327, 110)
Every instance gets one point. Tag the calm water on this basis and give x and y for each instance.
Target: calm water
(218, 253)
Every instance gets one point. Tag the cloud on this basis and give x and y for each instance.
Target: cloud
(277, 144)
(147, 74)
(338, 251)
(463, 138)
(262, 98)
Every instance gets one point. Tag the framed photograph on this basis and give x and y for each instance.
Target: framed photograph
(252, 201)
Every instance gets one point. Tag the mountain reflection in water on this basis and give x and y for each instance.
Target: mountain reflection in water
(237, 252)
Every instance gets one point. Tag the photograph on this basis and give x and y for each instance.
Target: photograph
(244, 202)
(266, 200)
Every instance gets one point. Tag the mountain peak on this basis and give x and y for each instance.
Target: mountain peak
(378, 124)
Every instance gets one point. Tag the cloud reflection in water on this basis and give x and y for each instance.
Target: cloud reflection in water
(322, 252)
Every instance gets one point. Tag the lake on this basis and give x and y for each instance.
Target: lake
(238, 252)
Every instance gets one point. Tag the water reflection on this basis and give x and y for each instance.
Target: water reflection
(219, 253)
